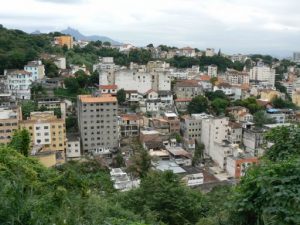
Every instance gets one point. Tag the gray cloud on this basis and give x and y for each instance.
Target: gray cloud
(269, 26)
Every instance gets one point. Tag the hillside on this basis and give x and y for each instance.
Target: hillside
(79, 36)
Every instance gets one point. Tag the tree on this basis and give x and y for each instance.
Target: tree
(260, 118)
(140, 161)
(107, 43)
(121, 96)
(156, 197)
(51, 70)
(21, 141)
(282, 104)
(37, 91)
(212, 95)
(28, 106)
(267, 195)
(198, 104)
(199, 153)
(213, 80)
(177, 137)
(150, 46)
(219, 105)
(72, 84)
(286, 143)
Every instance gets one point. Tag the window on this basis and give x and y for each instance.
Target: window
(46, 127)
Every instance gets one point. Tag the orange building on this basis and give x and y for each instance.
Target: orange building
(64, 40)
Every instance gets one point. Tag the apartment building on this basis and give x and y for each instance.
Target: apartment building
(36, 68)
(129, 125)
(98, 123)
(212, 71)
(234, 77)
(264, 75)
(64, 40)
(9, 122)
(18, 83)
(174, 122)
(53, 104)
(188, 89)
(48, 131)
(73, 150)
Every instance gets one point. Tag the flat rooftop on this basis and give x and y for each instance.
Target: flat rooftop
(96, 99)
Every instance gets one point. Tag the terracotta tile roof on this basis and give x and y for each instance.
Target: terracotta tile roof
(129, 117)
(234, 125)
(112, 86)
(205, 78)
(183, 100)
(95, 99)
(187, 83)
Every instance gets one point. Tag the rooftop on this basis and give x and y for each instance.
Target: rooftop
(112, 86)
(96, 99)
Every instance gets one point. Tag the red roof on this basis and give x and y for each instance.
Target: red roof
(205, 78)
(112, 86)
(183, 100)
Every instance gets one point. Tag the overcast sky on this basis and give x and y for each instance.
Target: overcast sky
(235, 26)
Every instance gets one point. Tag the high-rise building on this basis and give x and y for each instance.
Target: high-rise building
(9, 122)
(98, 123)
(263, 74)
(48, 131)
(64, 40)
(212, 71)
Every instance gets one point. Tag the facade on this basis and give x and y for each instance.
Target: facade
(253, 140)
(53, 104)
(48, 131)
(234, 77)
(98, 123)
(129, 125)
(235, 133)
(237, 166)
(212, 71)
(36, 68)
(210, 52)
(64, 40)
(263, 74)
(108, 89)
(137, 79)
(188, 89)
(18, 83)
(9, 122)
(174, 122)
(73, 150)
(182, 104)
(296, 97)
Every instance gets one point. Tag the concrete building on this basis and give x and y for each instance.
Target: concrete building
(18, 83)
(60, 62)
(296, 97)
(234, 77)
(36, 68)
(190, 126)
(296, 57)
(174, 122)
(122, 181)
(187, 52)
(253, 140)
(264, 75)
(52, 104)
(64, 40)
(182, 104)
(210, 52)
(48, 131)
(73, 150)
(138, 78)
(129, 125)
(212, 71)
(214, 136)
(98, 123)
(108, 89)
(188, 88)
(235, 133)
(9, 122)
(277, 115)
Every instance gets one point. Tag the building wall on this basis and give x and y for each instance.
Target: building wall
(9, 122)
(73, 149)
(98, 124)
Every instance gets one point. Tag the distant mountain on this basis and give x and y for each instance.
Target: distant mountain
(80, 36)
(36, 32)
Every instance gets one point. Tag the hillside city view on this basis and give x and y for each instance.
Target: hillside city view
(174, 112)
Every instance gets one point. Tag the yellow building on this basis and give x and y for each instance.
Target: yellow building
(269, 94)
(47, 133)
(296, 97)
(9, 122)
(64, 40)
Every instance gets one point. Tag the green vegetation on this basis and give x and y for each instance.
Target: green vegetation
(199, 104)
(21, 141)
(250, 103)
(82, 192)
(279, 103)
(121, 96)
(260, 118)
(198, 154)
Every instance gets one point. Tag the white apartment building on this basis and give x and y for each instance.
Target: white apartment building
(235, 77)
(73, 147)
(263, 74)
(36, 68)
(18, 83)
(212, 71)
(210, 52)
(141, 81)
(214, 136)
